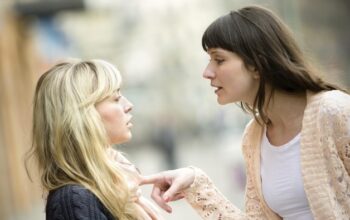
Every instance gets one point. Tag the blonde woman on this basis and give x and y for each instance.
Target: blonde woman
(79, 113)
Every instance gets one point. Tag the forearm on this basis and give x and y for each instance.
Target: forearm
(207, 200)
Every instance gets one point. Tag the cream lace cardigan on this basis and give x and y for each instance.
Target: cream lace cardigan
(325, 163)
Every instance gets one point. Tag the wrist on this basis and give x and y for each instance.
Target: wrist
(193, 175)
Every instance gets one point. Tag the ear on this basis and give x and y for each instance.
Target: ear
(256, 75)
(255, 72)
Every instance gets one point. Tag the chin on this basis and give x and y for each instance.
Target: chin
(124, 139)
(223, 102)
(128, 137)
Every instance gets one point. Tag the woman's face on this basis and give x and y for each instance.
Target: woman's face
(115, 114)
(232, 81)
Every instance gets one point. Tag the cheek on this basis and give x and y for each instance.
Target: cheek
(110, 112)
(246, 83)
(236, 81)
(244, 79)
(112, 119)
(116, 129)
(109, 117)
(239, 86)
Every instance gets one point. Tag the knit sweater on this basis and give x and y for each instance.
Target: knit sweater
(325, 166)
(74, 202)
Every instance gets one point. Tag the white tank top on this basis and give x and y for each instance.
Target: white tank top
(282, 183)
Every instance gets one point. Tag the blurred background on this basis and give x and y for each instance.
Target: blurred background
(156, 44)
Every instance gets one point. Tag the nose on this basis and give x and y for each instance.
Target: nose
(208, 72)
(128, 106)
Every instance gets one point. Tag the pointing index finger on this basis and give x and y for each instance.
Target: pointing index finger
(151, 179)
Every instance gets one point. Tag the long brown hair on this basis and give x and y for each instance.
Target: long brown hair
(264, 43)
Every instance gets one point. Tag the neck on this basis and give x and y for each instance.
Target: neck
(286, 110)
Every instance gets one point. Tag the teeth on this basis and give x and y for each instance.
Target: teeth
(217, 89)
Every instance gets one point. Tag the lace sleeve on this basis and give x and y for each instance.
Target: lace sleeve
(335, 116)
(209, 203)
(343, 140)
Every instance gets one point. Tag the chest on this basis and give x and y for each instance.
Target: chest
(279, 136)
(281, 179)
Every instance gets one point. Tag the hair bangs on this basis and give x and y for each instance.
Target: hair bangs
(109, 79)
(215, 36)
(105, 81)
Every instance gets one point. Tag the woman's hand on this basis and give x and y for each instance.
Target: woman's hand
(169, 185)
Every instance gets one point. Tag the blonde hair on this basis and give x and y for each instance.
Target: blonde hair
(69, 139)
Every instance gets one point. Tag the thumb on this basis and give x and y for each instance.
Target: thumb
(170, 194)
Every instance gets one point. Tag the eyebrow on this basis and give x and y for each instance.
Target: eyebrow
(212, 51)
(117, 92)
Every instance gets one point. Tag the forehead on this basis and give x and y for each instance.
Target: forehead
(219, 51)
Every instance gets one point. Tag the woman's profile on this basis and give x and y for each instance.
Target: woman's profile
(296, 147)
(79, 113)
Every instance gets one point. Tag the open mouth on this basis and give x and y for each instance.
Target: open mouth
(217, 89)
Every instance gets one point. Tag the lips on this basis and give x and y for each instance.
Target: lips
(217, 88)
(128, 123)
